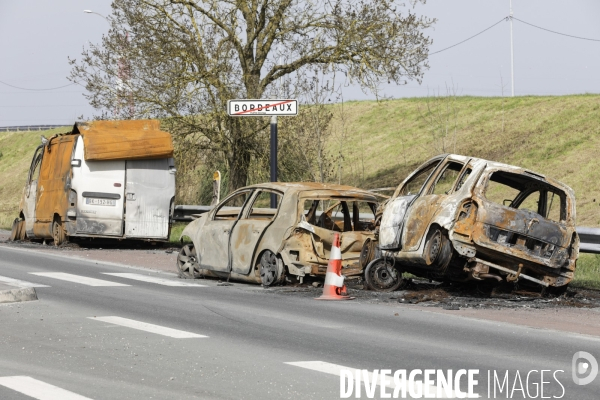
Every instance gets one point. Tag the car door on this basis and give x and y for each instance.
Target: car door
(426, 205)
(394, 214)
(100, 189)
(215, 236)
(31, 190)
(248, 231)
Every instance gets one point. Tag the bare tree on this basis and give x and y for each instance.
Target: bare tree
(186, 58)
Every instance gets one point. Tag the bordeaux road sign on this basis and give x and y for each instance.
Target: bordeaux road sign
(247, 107)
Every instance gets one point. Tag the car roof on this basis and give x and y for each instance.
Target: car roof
(290, 187)
(507, 167)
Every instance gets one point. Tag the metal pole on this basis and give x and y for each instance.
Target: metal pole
(512, 66)
(273, 157)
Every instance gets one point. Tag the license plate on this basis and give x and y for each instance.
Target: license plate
(100, 202)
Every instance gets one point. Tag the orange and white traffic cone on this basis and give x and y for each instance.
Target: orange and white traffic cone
(334, 288)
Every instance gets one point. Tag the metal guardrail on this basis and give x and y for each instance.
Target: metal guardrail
(589, 238)
(29, 128)
(185, 212)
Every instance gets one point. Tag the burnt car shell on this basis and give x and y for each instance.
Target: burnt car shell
(297, 235)
(494, 221)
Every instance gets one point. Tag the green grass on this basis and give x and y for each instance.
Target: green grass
(176, 230)
(587, 274)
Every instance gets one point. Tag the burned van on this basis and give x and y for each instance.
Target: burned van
(110, 179)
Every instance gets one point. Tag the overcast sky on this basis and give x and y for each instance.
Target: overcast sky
(37, 36)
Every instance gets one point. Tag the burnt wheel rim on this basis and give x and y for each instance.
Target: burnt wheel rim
(435, 246)
(268, 268)
(383, 276)
(57, 234)
(187, 261)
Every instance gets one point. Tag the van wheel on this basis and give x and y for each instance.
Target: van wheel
(58, 233)
(18, 230)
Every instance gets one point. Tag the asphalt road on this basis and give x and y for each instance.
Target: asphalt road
(237, 342)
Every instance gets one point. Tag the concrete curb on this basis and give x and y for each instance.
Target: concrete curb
(17, 295)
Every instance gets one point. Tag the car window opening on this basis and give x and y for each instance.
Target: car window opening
(261, 207)
(340, 216)
(525, 193)
(446, 179)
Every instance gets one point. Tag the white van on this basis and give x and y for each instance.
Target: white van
(112, 179)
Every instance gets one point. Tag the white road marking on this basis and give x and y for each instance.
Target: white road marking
(18, 282)
(77, 279)
(143, 326)
(153, 279)
(38, 389)
(335, 369)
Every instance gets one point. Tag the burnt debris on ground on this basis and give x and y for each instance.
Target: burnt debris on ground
(460, 296)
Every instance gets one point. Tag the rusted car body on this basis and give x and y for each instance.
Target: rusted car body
(463, 218)
(243, 238)
(113, 179)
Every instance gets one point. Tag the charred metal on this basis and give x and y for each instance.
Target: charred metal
(462, 218)
(243, 238)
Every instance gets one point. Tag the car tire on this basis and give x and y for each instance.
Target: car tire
(438, 250)
(187, 262)
(270, 268)
(382, 275)
(58, 233)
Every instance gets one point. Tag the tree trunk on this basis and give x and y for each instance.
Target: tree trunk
(238, 158)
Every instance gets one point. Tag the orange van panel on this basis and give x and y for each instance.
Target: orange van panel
(124, 140)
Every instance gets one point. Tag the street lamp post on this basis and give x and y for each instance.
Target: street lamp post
(93, 12)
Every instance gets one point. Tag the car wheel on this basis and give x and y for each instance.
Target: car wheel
(438, 250)
(383, 276)
(269, 268)
(187, 262)
(58, 233)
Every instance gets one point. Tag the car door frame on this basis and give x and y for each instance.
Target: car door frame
(254, 234)
(216, 228)
(425, 206)
(400, 205)
(30, 193)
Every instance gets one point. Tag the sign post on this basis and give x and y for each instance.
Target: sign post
(257, 108)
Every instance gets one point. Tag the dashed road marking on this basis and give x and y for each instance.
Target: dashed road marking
(19, 282)
(38, 389)
(84, 280)
(144, 326)
(153, 279)
(335, 369)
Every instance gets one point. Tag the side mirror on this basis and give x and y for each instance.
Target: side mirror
(75, 163)
(505, 201)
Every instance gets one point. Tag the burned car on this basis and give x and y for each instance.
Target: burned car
(263, 233)
(460, 218)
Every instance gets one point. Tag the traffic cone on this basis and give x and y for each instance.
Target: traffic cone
(334, 288)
